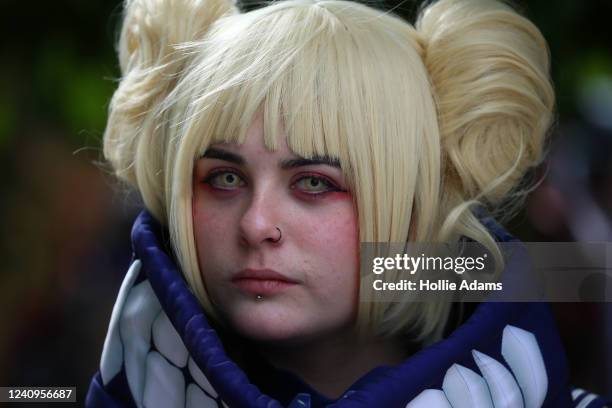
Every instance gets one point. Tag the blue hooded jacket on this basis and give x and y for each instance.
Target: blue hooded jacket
(160, 351)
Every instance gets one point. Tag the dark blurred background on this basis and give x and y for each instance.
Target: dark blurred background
(65, 223)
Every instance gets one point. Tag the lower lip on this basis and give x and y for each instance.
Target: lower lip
(263, 286)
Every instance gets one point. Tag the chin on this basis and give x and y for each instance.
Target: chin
(265, 328)
(272, 336)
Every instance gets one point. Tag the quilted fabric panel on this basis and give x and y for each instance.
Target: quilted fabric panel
(167, 340)
(164, 383)
(196, 398)
(142, 341)
(141, 309)
(526, 386)
(112, 353)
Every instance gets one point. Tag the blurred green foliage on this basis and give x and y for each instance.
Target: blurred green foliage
(58, 70)
(71, 91)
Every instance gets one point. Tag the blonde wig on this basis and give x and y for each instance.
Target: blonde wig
(425, 120)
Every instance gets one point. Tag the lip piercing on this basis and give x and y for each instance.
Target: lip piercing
(280, 235)
(259, 297)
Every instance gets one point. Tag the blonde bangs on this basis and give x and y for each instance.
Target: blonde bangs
(325, 83)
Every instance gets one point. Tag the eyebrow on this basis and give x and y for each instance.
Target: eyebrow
(216, 153)
(300, 161)
(221, 154)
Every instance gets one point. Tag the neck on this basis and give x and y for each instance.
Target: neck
(333, 365)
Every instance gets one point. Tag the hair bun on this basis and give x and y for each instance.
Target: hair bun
(150, 64)
(489, 69)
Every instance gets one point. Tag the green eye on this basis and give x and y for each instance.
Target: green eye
(229, 179)
(311, 184)
(225, 180)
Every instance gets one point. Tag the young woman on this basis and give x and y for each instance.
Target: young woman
(267, 146)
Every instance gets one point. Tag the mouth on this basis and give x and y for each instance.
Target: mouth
(262, 281)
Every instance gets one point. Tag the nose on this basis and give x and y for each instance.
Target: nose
(259, 224)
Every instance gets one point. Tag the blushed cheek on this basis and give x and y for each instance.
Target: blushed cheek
(211, 242)
(346, 235)
(341, 230)
(337, 238)
(207, 223)
(341, 247)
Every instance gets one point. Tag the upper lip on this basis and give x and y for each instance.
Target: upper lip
(262, 274)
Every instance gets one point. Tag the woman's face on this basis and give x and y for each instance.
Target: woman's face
(277, 240)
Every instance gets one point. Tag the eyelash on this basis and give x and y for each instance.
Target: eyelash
(330, 185)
